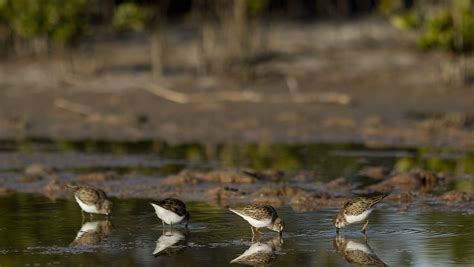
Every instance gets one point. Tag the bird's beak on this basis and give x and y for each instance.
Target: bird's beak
(337, 230)
(281, 233)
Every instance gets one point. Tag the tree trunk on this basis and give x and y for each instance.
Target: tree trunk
(158, 41)
(239, 37)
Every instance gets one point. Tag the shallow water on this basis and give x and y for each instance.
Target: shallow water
(36, 230)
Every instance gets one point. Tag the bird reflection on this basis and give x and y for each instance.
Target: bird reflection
(357, 252)
(171, 243)
(260, 253)
(92, 233)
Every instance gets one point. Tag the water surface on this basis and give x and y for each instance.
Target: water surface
(36, 230)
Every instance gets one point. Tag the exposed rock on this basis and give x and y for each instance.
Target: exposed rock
(428, 179)
(269, 200)
(222, 194)
(196, 177)
(383, 187)
(308, 201)
(6, 191)
(279, 191)
(377, 172)
(340, 184)
(407, 181)
(456, 196)
(267, 175)
(304, 176)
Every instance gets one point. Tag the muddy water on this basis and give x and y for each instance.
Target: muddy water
(35, 230)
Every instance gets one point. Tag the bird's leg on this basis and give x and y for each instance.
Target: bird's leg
(91, 215)
(83, 216)
(253, 232)
(163, 222)
(258, 231)
(365, 238)
(364, 228)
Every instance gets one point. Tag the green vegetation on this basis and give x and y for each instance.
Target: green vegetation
(449, 27)
(130, 16)
(317, 157)
(56, 20)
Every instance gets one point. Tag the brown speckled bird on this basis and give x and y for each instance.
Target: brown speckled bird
(259, 216)
(356, 210)
(92, 233)
(260, 254)
(356, 252)
(171, 211)
(91, 200)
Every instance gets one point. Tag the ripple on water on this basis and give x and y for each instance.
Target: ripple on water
(217, 236)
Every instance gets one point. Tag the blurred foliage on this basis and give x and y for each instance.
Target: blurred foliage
(450, 28)
(320, 158)
(407, 20)
(130, 16)
(406, 164)
(434, 160)
(464, 185)
(255, 7)
(57, 20)
(389, 7)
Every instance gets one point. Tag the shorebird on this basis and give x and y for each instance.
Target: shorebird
(260, 254)
(171, 211)
(170, 243)
(357, 252)
(356, 210)
(92, 233)
(91, 200)
(261, 216)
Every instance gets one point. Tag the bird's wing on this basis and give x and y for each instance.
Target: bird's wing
(174, 205)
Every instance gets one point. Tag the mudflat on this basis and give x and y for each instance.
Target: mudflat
(361, 81)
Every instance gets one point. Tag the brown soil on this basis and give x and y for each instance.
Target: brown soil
(360, 82)
(234, 187)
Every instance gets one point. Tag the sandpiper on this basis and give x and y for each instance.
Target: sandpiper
(171, 211)
(260, 253)
(171, 243)
(357, 252)
(261, 216)
(91, 200)
(356, 210)
(92, 233)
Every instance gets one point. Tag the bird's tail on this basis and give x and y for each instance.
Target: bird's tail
(235, 211)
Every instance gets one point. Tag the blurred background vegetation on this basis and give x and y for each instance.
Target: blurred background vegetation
(47, 27)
